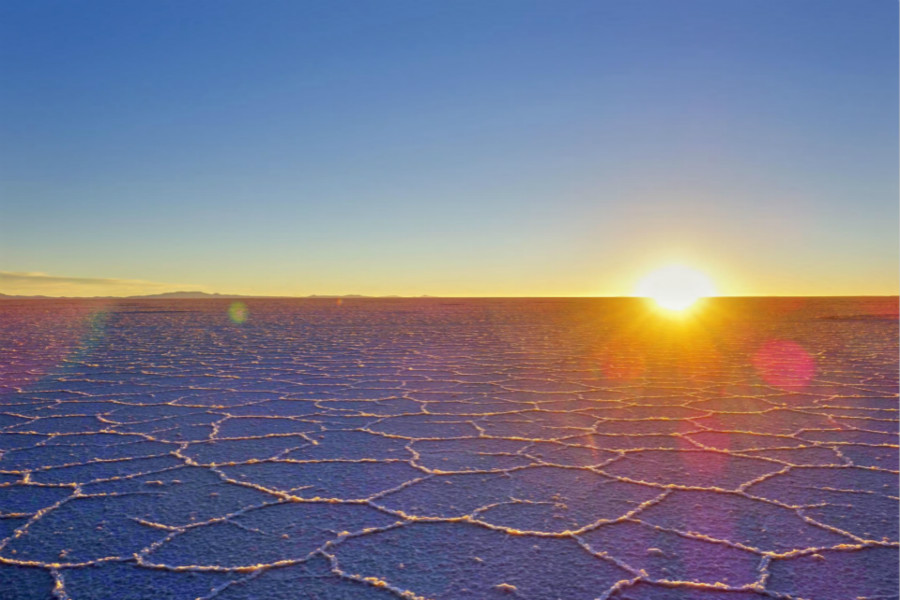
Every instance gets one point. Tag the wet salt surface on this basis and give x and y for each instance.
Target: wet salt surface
(448, 449)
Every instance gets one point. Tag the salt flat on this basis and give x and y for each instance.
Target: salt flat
(570, 449)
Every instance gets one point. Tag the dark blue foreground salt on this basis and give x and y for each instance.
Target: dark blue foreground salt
(464, 449)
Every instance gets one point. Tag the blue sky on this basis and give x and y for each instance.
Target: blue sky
(447, 148)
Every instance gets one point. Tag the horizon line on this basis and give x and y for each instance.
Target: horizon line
(222, 296)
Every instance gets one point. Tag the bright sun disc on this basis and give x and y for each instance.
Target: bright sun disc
(675, 287)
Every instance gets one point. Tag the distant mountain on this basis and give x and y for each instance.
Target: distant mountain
(166, 295)
(199, 295)
(185, 295)
(180, 295)
(344, 296)
(16, 297)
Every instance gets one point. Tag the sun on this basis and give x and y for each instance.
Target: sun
(675, 287)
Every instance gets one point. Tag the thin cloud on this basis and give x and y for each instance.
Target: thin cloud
(38, 278)
(20, 282)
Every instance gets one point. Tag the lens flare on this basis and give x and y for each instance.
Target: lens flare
(675, 287)
(238, 312)
(784, 364)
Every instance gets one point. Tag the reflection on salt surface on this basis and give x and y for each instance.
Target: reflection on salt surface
(448, 449)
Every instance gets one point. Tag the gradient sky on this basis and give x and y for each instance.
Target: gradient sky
(501, 147)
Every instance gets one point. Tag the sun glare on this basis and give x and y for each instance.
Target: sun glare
(675, 287)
